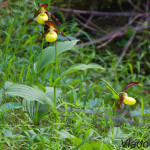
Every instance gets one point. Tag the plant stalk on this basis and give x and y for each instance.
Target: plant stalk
(36, 103)
(36, 113)
(41, 50)
(56, 73)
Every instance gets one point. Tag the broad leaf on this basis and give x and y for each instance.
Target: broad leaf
(29, 107)
(60, 37)
(115, 94)
(50, 92)
(82, 144)
(0, 96)
(77, 68)
(137, 112)
(11, 105)
(48, 55)
(28, 93)
(100, 146)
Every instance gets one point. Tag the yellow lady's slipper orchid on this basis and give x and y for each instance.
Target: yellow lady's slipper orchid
(128, 100)
(51, 33)
(42, 14)
(19, 136)
(51, 36)
(41, 18)
(124, 98)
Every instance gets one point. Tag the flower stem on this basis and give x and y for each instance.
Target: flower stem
(36, 103)
(56, 69)
(56, 73)
(56, 62)
(36, 113)
(41, 49)
(55, 97)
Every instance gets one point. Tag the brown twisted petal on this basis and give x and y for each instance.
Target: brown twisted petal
(49, 23)
(130, 84)
(44, 5)
(53, 16)
(35, 15)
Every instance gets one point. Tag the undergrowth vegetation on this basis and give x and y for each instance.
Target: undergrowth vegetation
(59, 95)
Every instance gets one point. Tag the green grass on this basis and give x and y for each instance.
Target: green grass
(86, 110)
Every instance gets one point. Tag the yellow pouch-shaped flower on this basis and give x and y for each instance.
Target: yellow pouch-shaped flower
(129, 100)
(41, 18)
(51, 36)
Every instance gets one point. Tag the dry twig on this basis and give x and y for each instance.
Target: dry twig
(87, 22)
(97, 13)
(126, 47)
(91, 23)
(109, 37)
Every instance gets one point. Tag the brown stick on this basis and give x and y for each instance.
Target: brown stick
(87, 22)
(97, 13)
(140, 10)
(127, 47)
(87, 26)
(147, 5)
(68, 6)
(137, 8)
(111, 35)
(92, 24)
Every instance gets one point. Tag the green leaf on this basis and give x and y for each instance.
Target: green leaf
(115, 94)
(7, 133)
(29, 107)
(28, 93)
(137, 112)
(0, 96)
(48, 55)
(100, 146)
(50, 92)
(60, 37)
(42, 1)
(11, 105)
(78, 67)
(64, 134)
(81, 144)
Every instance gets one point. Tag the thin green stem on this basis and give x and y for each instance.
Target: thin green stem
(55, 97)
(51, 76)
(36, 113)
(56, 62)
(36, 103)
(41, 51)
(56, 73)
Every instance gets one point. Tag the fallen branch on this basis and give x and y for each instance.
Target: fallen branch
(109, 37)
(98, 13)
(87, 22)
(86, 26)
(127, 47)
(91, 23)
